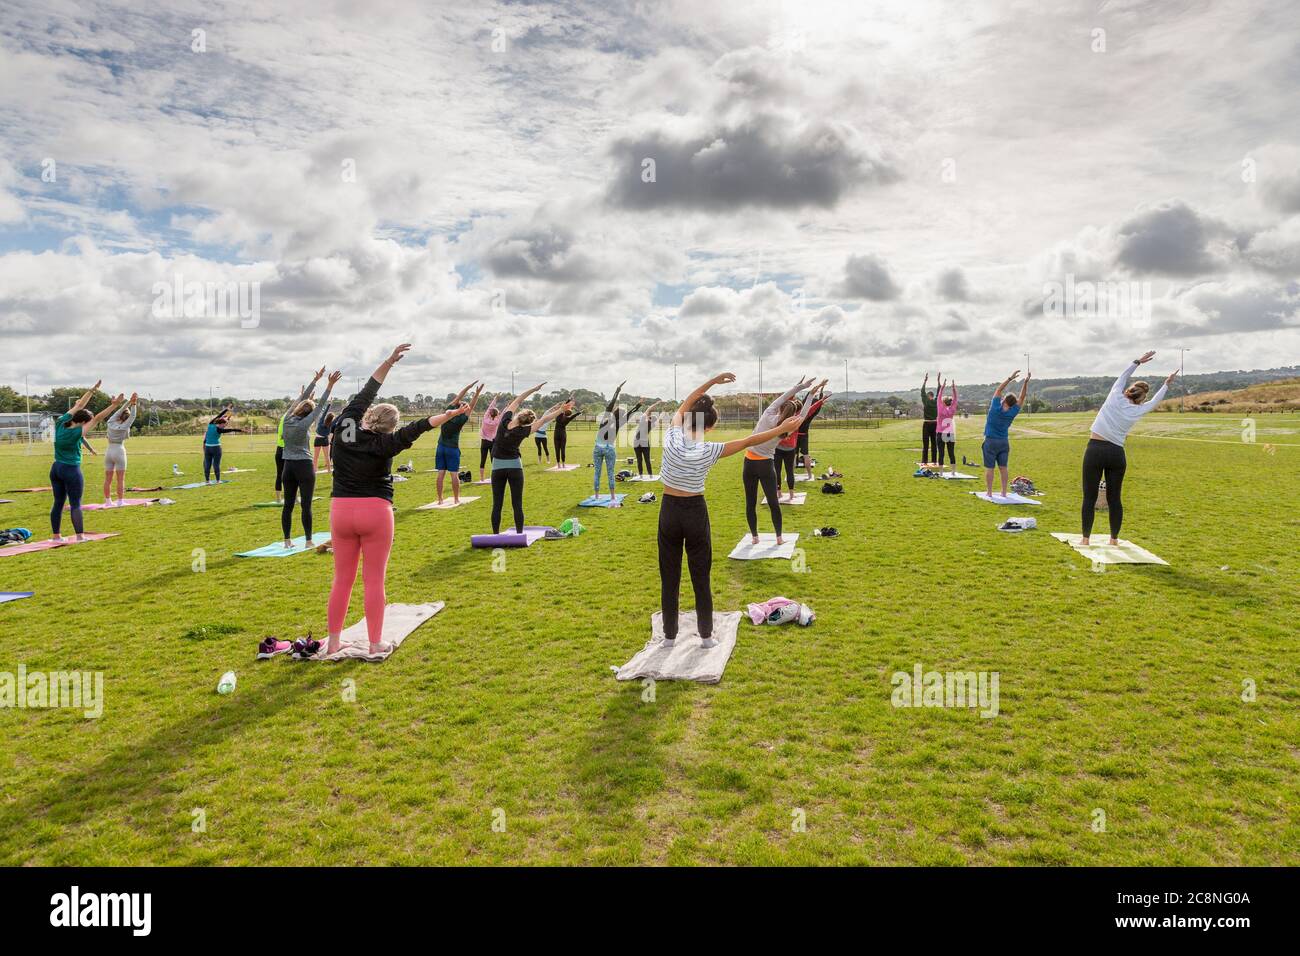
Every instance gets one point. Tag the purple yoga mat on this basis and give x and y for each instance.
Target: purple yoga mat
(510, 539)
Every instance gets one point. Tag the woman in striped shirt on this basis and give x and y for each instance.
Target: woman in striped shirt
(683, 515)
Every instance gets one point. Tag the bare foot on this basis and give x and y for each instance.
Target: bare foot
(332, 645)
(780, 540)
(1114, 542)
(379, 649)
(288, 545)
(1084, 542)
(755, 541)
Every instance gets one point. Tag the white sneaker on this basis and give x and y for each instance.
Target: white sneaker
(708, 642)
(670, 644)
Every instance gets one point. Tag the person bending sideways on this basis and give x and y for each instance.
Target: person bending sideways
(212, 445)
(66, 478)
(997, 437)
(447, 454)
(683, 513)
(562, 430)
(787, 449)
(1104, 456)
(365, 441)
(507, 464)
(946, 426)
(759, 469)
(299, 479)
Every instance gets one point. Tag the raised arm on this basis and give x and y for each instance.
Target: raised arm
(474, 401)
(740, 444)
(435, 421)
(925, 383)
(521, 398)
(85, 398)
(684, 409)
(131, 410)
(363, 399)
(788, 394)
(614, 401)
(112, 407)
(1121, 383)
(546, 416)
(318, 412)
(1005, 382)
(1024, 388)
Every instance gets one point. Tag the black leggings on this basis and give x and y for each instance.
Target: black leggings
(561, 443)
(785, 460)
(1103, 460)
(542, 446)
(514, 477)
(212, 460)
(299, 479)
(484, 450)
(951, 446)
(684, 522)
(930, 441)
(279, 468)
(761, 472)
(643, 456)
(68, 484)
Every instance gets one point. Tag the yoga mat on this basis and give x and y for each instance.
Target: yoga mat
(200, 484)
(7, 596)
(485, 481)
(643, 478)
(237, 471)
(957, 477)
(1011, 499)
(278, 550)
(125, 503)
(48, 545)
(560, 468)
(6, 501)
(400, 620)
(800, 497)
(139, 489)
(446, 505)
(1126, 552)
(766, 548)
(27, 491)
(277, 504)
(802, 477)
(602, 502)
(510, 539)
(686, 659)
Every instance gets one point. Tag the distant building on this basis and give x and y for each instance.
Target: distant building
(14, 426)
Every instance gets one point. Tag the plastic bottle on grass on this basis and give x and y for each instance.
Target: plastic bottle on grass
(227, 683)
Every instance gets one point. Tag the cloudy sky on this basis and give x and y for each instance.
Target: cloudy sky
(586, 192)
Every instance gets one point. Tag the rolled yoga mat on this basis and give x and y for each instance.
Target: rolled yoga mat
(510, 539)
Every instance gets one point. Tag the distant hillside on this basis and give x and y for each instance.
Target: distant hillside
(1278, 396)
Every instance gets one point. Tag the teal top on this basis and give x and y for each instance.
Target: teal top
(67, 441)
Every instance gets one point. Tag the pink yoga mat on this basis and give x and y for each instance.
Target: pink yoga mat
(126, 503)
(48, 545)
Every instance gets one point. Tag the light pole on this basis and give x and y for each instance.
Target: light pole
(1026, 372)
(1181, 353)
(674, 381)
(512, 381)
(27, 390)
(846, 376)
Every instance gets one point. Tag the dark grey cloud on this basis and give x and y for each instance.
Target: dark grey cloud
(952, 285)
(1170, 239)
(1229, 309)
(765, 161)
(1282, 192)
(867, 277)
(540, 252)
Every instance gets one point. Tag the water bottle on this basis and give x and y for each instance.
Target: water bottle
(227, 683)
(176, 469)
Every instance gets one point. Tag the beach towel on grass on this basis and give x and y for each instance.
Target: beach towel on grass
(445, 505)
(640, 477)
(560, 468)
(400, 620)
(200, 484)
(802, 476)
(798, 499)
(602, 502)
(766, 548)
(957, 477)
(7, 596)
(124, 503)
(1126, 552)
(278, 550)
(49, 545)
(686, 660)
(1011, 498)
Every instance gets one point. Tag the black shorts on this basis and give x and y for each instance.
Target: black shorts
(322, 442)
(802, 445)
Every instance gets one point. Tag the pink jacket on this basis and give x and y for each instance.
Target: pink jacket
(488, 430)
(944, 421)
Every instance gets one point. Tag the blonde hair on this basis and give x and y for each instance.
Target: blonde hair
(1137, 391)
(305, 407)
(381, 418)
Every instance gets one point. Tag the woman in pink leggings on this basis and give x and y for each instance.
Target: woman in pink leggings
(365, 439)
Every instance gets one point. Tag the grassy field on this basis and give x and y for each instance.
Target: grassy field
(1119, 691)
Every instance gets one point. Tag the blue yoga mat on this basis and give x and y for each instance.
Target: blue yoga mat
(6, 596)
(201, 484)
(603, 502)
(277, 550)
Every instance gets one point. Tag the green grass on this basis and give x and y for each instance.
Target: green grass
(1119, 691)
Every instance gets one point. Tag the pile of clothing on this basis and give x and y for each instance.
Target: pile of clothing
(832, 488)
(1018, 524)
(924, 472)
(14, 536)
(569, 528)
(1022, 485)
(780, 610)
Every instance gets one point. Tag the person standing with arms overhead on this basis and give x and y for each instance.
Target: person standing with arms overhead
(365, 441)
(297, 428)
(487, 432)
(321, 446)
(605, 451)
(539, 438)
(947, 427)
(929, 423)
(117, 430)
(641, 441)
(447, 454)
(66, 478)
(562, 421)
(1104, 456)
(684, 514)
(507, 464)
(997, 437)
